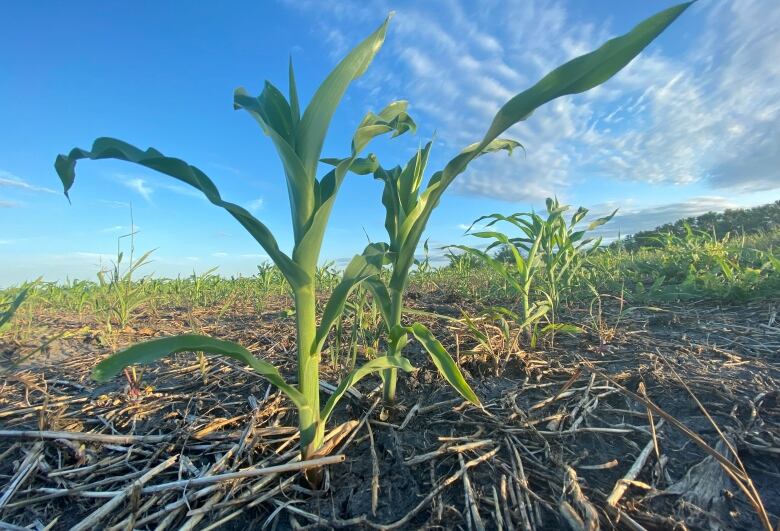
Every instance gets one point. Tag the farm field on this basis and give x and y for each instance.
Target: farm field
(562, 423)
(298, 338)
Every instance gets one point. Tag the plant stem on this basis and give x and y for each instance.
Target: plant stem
(390, 376)
(311, 428)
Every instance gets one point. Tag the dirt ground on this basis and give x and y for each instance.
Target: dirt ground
(609, 428)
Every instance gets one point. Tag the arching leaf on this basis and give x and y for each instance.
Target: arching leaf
(443, 361)
(359, 269)
(111, 148)
(156, 349)
(376, 364)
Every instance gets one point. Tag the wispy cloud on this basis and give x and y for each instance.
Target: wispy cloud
(255, 205)
(709, 114)
(139, 186)
(9, 204)
(9, 180)
(120, 228)
(146, 188)
(115, 228)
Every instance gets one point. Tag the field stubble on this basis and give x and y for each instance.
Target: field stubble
(560, 437)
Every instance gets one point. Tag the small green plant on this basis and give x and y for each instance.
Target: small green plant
(540, 265)
(298, 138)
(408, 206)
(122, 294)
(10, 304)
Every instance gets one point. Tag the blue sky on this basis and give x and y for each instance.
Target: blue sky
(692, 125)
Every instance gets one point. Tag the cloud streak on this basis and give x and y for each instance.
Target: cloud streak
(709, 114)
(9, 180)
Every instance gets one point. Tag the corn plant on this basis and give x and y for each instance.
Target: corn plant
(565, 249)
(298, 138)
(408, 207)
(540, 264)
(123, 294)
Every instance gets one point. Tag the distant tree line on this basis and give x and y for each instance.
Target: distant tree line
(735, 221)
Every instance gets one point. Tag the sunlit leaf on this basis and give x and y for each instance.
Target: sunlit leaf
(157, 349)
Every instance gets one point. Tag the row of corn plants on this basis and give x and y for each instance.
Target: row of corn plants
(298, 136)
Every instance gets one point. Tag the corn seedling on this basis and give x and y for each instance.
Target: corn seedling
(298, 139)
(122, 294)
(408, 207)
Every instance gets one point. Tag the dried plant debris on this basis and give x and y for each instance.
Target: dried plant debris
(574, 436)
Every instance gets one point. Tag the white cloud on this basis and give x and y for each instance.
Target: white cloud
(147, 189)
(9, 204)
(9, 180)
(139, 186)
(255, 205)
(709, 113)
(115, 228)
(219, 254)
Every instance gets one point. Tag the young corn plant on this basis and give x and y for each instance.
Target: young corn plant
(565, 249)
(123, 293)
(408, 207)
(298, 138)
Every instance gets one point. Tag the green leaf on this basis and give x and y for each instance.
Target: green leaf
(391, 119)
(584, 72)
(562, 327)
(295, 109)
(316, 118)
(578, 75)
(359, 269)
(536, 313)
(268, 110)
(382, 298)
(497, 266)
(443, 361)
(376, 364)
(156, 349)
(599, 222)
(7, 313)
(110, 148)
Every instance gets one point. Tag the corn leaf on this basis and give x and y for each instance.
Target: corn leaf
(376, 364)
(576, 76)
(10, 310)
(275, 117)
(359, 269)
(392, 118)
(381, 297)
(498, 266)
(311, 132)
(443, 361)
(156, 349)
(111, 148)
